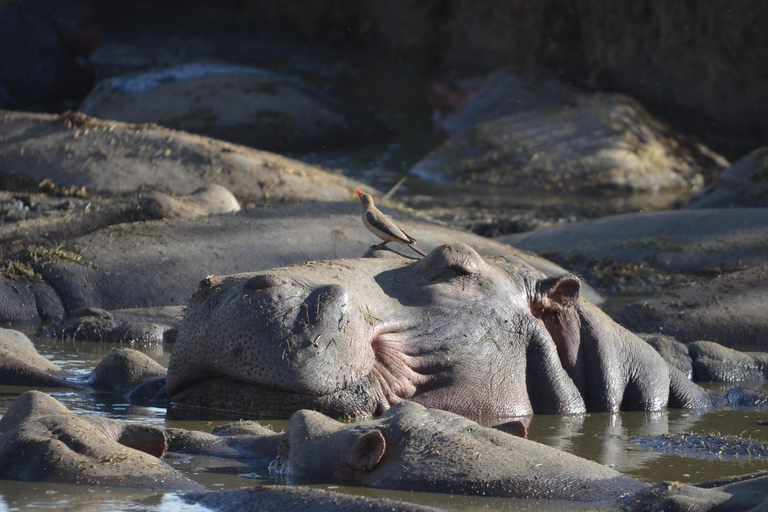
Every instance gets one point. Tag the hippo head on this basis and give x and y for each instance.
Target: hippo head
(455, 331)
(452, 331)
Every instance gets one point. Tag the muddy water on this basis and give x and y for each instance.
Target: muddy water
(603, 438)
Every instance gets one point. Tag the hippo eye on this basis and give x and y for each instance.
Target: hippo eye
(453, 271)
(460, 270)
(263, 282)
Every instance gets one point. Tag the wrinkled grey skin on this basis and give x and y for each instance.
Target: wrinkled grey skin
(120, 371)
(705, 361)
(42, 441)
(742, 185)
(647, 252)
(453, 331)
(401, 451)
(728, 308)
(144, 325)
(242, 440)
(159, 263)
(297, 499)
(732, 494)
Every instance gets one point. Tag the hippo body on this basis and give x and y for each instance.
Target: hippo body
(159, 263)
(120, 371)
(42, 441)
(411, 448)
(454, 331)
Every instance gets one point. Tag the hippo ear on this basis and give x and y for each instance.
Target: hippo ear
(367, 451)
(558, 293)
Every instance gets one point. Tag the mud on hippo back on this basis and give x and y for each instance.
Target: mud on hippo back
(455, 331)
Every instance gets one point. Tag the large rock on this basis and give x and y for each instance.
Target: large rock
(744, 184)
(506, 92)
(108, 157)
(244, 105)
(603, 143)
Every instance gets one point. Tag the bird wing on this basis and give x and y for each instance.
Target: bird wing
(385, 225)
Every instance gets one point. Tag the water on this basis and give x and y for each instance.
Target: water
(603, 438)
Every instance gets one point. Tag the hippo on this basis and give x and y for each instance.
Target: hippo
(735, 493)
(120, 371)
(42, 441)
(297, 499)
(410, 448)
(705, 309)
(145, 325)
(706, 361)
(647, 252)
(50, 219)
(454, 331)
(159, 263)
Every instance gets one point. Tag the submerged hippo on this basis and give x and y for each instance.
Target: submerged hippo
(42, 441)
(411, 448)
(120, 371)
(455, 331)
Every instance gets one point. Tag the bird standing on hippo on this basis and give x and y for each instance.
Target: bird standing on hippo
(382, 226)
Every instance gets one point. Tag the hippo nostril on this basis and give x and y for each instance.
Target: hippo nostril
(262, 282)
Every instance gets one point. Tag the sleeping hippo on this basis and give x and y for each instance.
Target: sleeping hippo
(454, 331)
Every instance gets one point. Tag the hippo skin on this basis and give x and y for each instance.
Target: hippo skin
(119, 372)
(42, 441)
(454, 331)
(412, 448)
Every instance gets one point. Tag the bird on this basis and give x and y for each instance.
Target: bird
(382, 226)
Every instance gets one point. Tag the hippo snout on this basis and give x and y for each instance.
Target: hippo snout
(279, 333)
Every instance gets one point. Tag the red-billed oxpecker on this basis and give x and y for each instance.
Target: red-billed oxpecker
(382, 226)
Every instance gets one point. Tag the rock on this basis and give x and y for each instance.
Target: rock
(239, 104)
(603, 143)
(506, 92)
(742, 185)
(108, 157)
